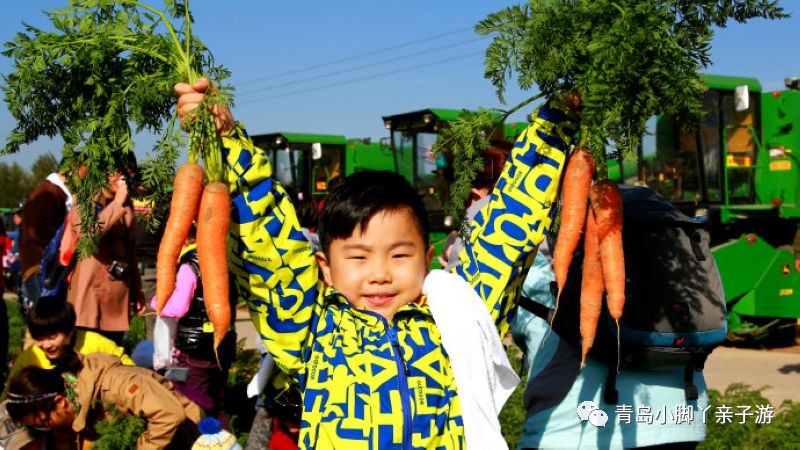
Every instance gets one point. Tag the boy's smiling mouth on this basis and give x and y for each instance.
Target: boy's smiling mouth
(379, 299)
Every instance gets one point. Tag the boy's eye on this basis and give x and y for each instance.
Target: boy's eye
(401, 255)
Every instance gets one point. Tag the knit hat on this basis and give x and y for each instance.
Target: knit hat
(214, 437)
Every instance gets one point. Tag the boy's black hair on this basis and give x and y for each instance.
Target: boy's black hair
(361, 196)
(50, 315)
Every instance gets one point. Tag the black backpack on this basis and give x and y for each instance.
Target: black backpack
(675, 313)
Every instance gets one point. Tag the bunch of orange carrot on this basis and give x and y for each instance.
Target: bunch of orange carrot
(592, 209)
(210, 206)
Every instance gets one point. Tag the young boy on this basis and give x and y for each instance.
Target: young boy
(361, 341)
(51, 322)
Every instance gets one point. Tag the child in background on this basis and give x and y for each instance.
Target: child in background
(51, 323)
(67, 403)
(376, 369)
(193, 339)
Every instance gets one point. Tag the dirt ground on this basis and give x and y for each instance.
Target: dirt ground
(777, 368)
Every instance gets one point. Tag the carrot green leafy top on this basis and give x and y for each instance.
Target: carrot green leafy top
(102, 72)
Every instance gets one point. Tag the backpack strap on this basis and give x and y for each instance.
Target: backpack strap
(536, 308)
(688, 382)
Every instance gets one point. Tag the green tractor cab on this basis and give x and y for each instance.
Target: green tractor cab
(412, 136)
(305, 162)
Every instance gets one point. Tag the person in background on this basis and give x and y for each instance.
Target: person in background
(6, 244)
(332, 183)
(43, 212)
(13, 268)
(105, 286)
(14, 435)
(556, 386)
(67, 402)
(494, 159)
(205, 378)
(51, 322)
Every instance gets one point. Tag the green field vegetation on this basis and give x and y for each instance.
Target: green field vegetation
(781, 432)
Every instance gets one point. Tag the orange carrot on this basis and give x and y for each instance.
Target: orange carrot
(213, 223)
(575, 193)
(591, 286)
(187, 187)
(606, 203)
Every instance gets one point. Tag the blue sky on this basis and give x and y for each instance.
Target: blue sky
(337, 67)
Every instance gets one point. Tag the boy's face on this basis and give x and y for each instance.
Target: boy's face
(380, 268)
(52, 345)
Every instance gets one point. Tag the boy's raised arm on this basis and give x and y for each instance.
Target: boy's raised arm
(272, 262)
(506, 232)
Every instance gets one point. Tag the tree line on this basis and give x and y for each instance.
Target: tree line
(16, 181)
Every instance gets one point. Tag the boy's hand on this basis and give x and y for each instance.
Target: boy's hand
(190, 96)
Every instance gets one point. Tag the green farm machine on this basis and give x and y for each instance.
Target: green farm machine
(739, 169)
(412, 135)
(308, 162)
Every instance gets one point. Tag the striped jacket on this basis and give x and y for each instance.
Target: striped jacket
(368, 383)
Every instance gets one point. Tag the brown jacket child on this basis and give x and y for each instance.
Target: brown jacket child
(59, 402)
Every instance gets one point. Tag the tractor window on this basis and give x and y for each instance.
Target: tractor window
(670, 156)
(710, 133)
(326, 168)
(403, 142)
(429, 180)
(740, 149)
(707, 137)
(287, 166)
(426, 162)
(670, 161)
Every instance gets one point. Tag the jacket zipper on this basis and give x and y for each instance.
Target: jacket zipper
(402, 377)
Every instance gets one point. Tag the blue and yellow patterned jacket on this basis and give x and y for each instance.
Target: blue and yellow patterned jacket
(368, 383)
